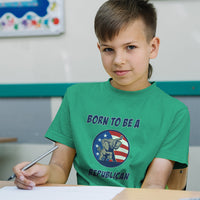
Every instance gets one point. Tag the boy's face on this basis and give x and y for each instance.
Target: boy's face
(126, 57)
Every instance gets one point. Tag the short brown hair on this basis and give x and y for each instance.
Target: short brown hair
(114, 15)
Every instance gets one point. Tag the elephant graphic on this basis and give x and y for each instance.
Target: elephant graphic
(108, 147)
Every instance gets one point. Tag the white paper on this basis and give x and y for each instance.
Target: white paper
(61, 193)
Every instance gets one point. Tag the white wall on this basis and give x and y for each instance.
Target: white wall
(73, 56)
(179, 31)
(193, 169)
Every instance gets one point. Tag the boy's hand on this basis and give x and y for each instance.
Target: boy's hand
(35, 175)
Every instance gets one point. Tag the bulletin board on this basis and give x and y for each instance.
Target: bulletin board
(31, 17)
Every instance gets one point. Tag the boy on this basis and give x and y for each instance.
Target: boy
(125, 131)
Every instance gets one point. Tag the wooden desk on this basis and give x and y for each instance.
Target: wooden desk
(155, 194)
(138, 194)
(3, 140)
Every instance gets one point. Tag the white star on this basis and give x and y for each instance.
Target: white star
(105, 135)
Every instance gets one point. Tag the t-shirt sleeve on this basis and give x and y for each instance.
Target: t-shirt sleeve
(176, 145)
(60, 128)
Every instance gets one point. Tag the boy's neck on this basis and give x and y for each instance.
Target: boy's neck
(135, 87)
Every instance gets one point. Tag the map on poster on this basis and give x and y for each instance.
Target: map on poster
(31, 17)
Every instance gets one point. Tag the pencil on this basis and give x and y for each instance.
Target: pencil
(34, 161)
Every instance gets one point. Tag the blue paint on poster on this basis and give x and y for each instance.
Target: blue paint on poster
(20, 8)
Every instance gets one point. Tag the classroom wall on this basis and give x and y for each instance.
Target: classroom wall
(70, 57)
(179, 32)
(74, 57)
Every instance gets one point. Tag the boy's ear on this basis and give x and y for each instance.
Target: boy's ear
(155, 43)
(98, 45)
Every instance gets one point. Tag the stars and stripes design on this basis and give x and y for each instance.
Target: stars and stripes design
(118, 149)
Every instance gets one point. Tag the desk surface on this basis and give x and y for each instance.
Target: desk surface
(139, 194)
(155, 194)
(3, 140)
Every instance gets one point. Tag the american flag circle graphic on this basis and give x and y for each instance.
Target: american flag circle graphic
(110, 148)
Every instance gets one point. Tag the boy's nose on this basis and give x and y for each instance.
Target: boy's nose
(119, 58)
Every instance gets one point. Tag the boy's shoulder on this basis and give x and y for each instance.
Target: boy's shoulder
(86, 87)
(169, 100)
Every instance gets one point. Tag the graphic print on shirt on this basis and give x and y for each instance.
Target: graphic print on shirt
(110, 148)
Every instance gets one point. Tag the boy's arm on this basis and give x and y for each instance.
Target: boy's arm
(56, 172)
(61, 163)
(158, 173)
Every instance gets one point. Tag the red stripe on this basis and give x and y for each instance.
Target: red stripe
(119, 160)
(115, 133)
(125, 139)
(124, 147)
(119, 153)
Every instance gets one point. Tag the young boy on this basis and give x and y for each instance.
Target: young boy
(125, 131)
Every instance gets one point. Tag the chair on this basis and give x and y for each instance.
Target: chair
(178, 179)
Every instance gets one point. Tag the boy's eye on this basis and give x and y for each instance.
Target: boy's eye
(130, 47)
(107, 50)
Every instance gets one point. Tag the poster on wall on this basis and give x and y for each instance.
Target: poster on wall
(31, 17)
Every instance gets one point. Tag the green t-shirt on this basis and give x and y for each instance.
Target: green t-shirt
(118, 133)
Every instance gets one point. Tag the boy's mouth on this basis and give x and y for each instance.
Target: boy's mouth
(121, 73)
